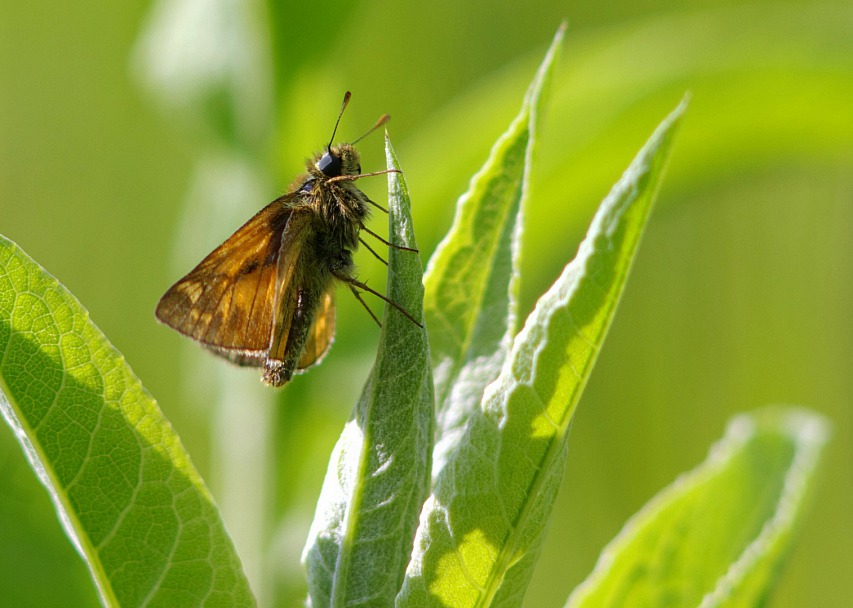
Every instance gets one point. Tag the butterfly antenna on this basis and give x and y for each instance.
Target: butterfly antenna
(382, 120)
(347, 95)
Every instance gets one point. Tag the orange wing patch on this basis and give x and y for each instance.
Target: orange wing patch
(227, 302)
(322, 332)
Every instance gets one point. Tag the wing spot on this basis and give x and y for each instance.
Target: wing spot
(249, 267)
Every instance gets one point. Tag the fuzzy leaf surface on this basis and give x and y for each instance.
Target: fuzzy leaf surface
(482, 528)
(472, 279)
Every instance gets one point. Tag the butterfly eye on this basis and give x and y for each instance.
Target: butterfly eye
(358, 169)
(330, 164)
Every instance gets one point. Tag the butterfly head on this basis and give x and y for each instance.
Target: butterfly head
(339, 160)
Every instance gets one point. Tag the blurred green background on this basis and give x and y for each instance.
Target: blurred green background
(135, 137)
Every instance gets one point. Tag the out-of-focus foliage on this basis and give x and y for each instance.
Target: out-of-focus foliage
(740, 296)
(717, 535)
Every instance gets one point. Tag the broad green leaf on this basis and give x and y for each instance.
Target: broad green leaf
(717, 535)
(472, 279)
(123, 486)
(378, 475)
(482, 528)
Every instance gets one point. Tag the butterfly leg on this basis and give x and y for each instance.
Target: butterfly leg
(356, 284)
(384, 242)
(358, 297)
(370, 249)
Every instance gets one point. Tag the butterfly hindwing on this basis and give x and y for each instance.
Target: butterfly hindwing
(322, 332)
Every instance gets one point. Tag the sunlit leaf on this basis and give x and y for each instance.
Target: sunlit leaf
(123, 486)
(483, 526)
(472, 279)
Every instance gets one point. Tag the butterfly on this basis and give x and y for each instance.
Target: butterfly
(265, 297)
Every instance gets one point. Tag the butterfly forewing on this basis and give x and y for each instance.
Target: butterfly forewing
(227, 302)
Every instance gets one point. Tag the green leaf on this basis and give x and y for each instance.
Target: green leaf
(482, 528)
(378, 475)
(123, 486)
(472, 279)
(717, 535)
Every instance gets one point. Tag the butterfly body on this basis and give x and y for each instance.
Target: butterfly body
(265, 297)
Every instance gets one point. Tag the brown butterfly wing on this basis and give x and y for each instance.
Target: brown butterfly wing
(227, 302)
(301, 331)
(322, 332)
